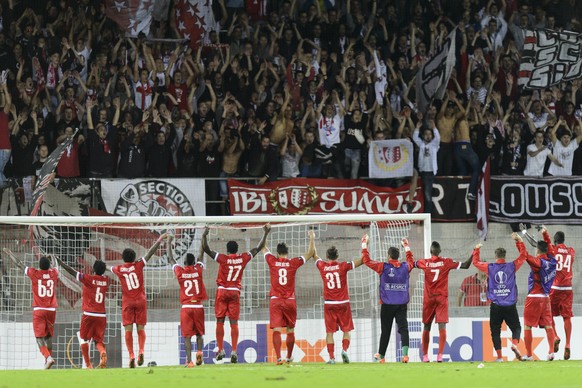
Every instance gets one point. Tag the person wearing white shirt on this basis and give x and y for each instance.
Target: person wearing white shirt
(537, 153)
(563, 150)
(428, 147)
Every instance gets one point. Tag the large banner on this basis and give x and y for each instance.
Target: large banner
(433, 76)
(550, 57)
(449, 200)
(318, 196)
(133, 16)
(551, 200)
(154, 197)
(390, 158)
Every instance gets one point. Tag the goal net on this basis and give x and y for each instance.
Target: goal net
(79, 241)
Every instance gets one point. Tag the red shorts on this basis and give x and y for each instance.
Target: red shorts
(561, 301)
(283, 313)
(134, 312)
(537, 312)
(338, 316)
(93, 328)
(227, 304)
(43, 323)
(192, 321)
(437, 308)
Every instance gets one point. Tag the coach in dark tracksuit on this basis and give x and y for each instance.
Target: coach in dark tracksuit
(502, 292)
(394, 285)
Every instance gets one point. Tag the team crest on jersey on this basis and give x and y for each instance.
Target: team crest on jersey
(298, 200)
(156, 198)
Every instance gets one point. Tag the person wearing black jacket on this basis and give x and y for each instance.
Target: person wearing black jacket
(208, 165)
(187, 155)
(133, 154)
(263, 161)
(100, 144)
(160, 153)
(23, 147)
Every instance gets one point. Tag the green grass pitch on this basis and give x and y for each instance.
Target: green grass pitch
(456, 375)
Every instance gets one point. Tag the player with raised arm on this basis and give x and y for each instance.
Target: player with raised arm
(502, 292)
(394, 295)
(561, 294)
(283, 307)
(93, 320)
(133, 298)
(537, 311)
(337, 311)
(230, 272)
(192, 294)
(44, 303)
(436, 296)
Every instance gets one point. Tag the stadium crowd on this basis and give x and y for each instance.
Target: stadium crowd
(300, 90)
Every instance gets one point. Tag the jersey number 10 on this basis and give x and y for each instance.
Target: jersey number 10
(131, 281)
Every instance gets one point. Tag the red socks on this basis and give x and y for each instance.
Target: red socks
(45, 352)
(442, 340)
(550, 335)
(129, 342)
(234, 335)
(568, 330)
(290, 342)
(141, 338)
(528, 339)
(330, 349)
(277, 343)
(425, 340)
(345, 344)
(220, 335)
(85, 352)
(101, 347)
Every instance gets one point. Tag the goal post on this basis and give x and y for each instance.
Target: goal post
(79, 241)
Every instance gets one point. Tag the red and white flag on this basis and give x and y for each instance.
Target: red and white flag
(195, 20)
(133, 16)
(483, 200)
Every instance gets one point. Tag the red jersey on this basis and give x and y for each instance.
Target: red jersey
(192, 290)
(94, 290)
(180, 92)
(282, 271)
(565, 260)
(436, 274)
(131, 278)
(230, 269)
(335, 280)
(43, 287)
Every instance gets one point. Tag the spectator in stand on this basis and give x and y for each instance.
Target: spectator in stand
(428, 147)
(5, 144)
(133, 152)
(159, 157)
(68, 166)
(537, 154)
(23, 146)
(564, 148)
(263, 162)
(100, 145)
(290, 153)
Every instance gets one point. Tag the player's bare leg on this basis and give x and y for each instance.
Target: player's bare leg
(141, 339)
(330, 347)
(276, 338)
(129, 344)
(103, 353)
(290, 342)
(220, 338)
(199, 346)
(550, 336)
(345, 346)
(425, 341)
(234, 339)
(442, 340)
(188, 349)
(568, 331)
